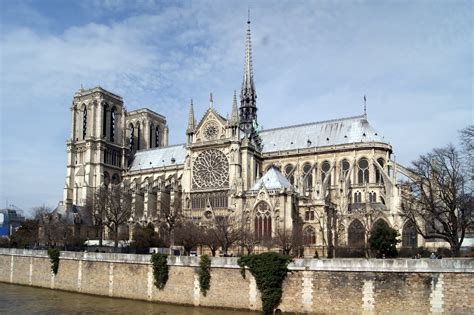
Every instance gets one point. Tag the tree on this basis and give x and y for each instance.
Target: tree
(169, 215)
(383, 240)
(439, 199)
(209, 238)
(248, 240)
(26, 235)
(288, 240)
(227, 231)
(39, 212)
(145, 237)
(189, 235)
(96, 206)
(119, 205)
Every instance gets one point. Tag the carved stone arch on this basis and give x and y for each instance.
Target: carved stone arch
(262, 195)
(409, 235)
(262, 220)
(379, 222)
(356, 234)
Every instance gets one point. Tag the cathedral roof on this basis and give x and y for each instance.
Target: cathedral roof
(272, 179)
(320, 134)
(158, 157)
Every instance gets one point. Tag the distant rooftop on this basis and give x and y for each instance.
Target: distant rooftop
(159, 157)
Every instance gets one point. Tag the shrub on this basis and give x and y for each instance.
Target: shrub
(204, 274)
(53, 254)
(269, 270)
(383, 240)
(160, 269)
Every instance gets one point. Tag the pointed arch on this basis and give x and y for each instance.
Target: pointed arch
(113, 114)
(409, 235)
(363, 172)
(290, 173)
(356, 234)
(325, 168)
(308, 176)
(157, 136)
(263, 221)
(309, 235)
(378, 223)
(84, 123)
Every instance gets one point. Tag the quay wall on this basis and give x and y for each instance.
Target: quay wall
(337, 286)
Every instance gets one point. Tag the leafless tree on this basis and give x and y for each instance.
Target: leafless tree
(209, 239)
(39, 212)
(96, 207)
(289, 240)
(119, 205)
(248, 240)
(227, 230)
(438, 201)
(169, 216)
(189, 235)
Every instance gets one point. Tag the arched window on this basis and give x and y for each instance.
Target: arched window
(84, 123)
(344, 168)
(132, 137)
(379, 223)
(409, 235)
(309, 236)
(378, 174)
(309, 215)
(104, 120)
(357, 197)
(363, 173)
(356, 234)
(138, 136)
(150, 139)
(157, 136)
(308, 176)
(289, 173)
(325, 167)
(112, 124)
(263, 221)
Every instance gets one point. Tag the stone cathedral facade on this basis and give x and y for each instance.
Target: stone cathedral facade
(331, 180)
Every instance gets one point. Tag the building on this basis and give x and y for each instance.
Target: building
(331, 180)
(11, 218)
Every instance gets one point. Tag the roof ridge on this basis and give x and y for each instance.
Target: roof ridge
(163, 147)
(314, 123)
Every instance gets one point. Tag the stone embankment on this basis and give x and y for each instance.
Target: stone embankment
(396, 286)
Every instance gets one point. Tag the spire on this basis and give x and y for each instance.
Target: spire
(191, 120)
(234, 116)
(211, 101)
(365, 107)
(248, 107)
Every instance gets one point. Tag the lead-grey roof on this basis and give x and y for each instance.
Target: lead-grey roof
(325, 133)
(272, 179)
(159, 157)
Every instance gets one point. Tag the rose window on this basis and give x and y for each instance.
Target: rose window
(211, 170)
(211, 130)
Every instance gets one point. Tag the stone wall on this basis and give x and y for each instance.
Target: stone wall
(405, 286)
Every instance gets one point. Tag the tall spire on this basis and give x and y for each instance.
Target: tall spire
(211, 101)
(248, 107)
(191, 120)
(234, 116)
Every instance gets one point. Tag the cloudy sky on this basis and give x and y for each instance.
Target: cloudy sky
(313, 60)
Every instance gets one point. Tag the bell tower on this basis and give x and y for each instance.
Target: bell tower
(96, 149)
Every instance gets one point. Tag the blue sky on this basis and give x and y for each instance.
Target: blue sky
(313, 60)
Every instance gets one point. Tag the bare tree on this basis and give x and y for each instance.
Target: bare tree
(169, 215)
(119, 205)
(248, 240)
(39, 212)
(289, 240)
(189, 235)
(437, 201)
(227, 230)
(96, 207)
(209, 238)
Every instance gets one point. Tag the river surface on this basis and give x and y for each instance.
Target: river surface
(17, 299)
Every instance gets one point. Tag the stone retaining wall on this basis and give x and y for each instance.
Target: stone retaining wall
(408, 286)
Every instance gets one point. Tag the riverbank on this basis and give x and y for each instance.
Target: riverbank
(313, 285)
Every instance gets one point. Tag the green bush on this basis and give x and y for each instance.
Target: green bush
(269, 270)
(204, 274)
(383, 240)
(53, 254)
(160, 269)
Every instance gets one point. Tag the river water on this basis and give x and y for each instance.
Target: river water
(17, 299)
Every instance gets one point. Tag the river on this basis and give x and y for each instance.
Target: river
(17, 299)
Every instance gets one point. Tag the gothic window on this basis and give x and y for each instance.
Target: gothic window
(325, 167)
(356, 234)
(138, 136)
(378, 175)
(157, 136)
(211, 170)
(289, 173)
(263, 221)
(409, 235)
(216, 199)
(344, 168)
(363, 173)
(379, 223)
(84, 123)
(132, 137)
(308, 177)
(112, 124)
(104, 121)
(357, 197)
(309, 236)
(150, 139)
(115, 179)
(372, 197)
(309, 215)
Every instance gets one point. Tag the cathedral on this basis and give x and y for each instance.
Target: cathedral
(331, 180)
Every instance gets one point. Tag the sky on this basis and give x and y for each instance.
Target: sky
(312, 61)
